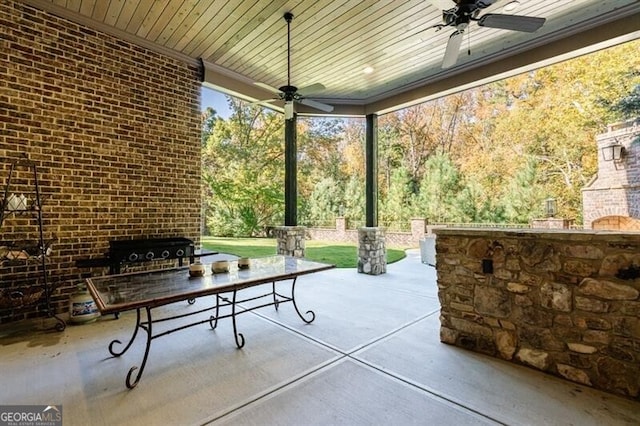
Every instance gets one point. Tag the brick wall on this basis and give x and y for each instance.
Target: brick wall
(115, 131)
(563, 302)
(615, 193)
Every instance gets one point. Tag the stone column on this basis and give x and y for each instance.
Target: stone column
(372, 252)
(290, 240)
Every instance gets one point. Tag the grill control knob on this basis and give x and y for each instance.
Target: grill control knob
(165, 254)
(133, 257)
(150, 255)
(180, 252)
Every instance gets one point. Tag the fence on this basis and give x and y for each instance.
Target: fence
(416, 230)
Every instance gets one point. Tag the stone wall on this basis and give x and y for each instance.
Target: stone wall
(341, 233)
(115, 132)
(563, 302)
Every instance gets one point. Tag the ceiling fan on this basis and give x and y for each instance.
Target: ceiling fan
(465, 11)
(291, 94)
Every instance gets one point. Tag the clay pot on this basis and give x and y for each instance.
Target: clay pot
(196, 269)
(220, 266)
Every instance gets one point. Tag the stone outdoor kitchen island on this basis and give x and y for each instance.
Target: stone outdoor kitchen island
(564, 302)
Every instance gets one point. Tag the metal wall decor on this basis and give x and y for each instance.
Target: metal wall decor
(21, 197)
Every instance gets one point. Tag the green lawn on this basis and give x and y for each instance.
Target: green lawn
(341, 255)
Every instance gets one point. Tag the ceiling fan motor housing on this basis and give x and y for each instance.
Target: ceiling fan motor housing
(460, 16)
(289, 92)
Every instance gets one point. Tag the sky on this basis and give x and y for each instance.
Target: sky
(215, 100)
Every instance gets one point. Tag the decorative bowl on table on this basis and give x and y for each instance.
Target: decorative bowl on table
(196, 269)
(220, 266)
(243, 263)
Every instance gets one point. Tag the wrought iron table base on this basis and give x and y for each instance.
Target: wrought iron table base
(221, 301)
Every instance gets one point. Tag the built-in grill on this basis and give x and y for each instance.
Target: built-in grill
(126, 252)
(147, 249)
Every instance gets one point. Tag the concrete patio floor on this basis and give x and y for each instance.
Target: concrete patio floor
(371, 357)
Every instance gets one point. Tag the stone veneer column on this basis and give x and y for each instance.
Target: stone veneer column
(290, 240)
(372, 252)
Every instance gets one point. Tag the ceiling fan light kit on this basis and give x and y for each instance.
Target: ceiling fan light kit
(463, 12)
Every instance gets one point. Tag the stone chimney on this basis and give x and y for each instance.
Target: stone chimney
(611, 201)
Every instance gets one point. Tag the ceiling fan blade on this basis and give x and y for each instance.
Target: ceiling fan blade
(527, 24)
(264, 102)
(267, 87)
(453, 49)
(288, 110)
(443, 4)
(317, 105)
(312, 88)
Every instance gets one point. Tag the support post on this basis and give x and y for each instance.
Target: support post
(290, 172)
(372, 252)
(371, 170)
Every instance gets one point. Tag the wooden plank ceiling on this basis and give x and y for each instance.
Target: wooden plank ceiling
(372, 56)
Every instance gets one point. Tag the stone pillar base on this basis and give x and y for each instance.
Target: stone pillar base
(290, 240)
(372, 252)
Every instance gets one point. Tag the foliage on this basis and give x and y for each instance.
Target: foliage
(629, 106)
(325, 200)
(394, 206)
(209, 118)
(523, 197)
(488, 154)
(243, 171)
(439, 190)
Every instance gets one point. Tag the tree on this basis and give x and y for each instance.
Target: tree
(439, 189)
(209, 118)
(415, 133)
(325, 200)
(523, 196)
(243, 172)
(476, 204)
(395, 205)
(320, 147)
(353, 201)
(629, 106)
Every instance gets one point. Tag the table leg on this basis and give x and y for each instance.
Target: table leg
(213, 319)
(239, 337)
(133, 337)
(276, 302)
(147, 327)
(295, 305)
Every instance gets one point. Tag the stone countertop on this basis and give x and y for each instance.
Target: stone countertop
(565, 234)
